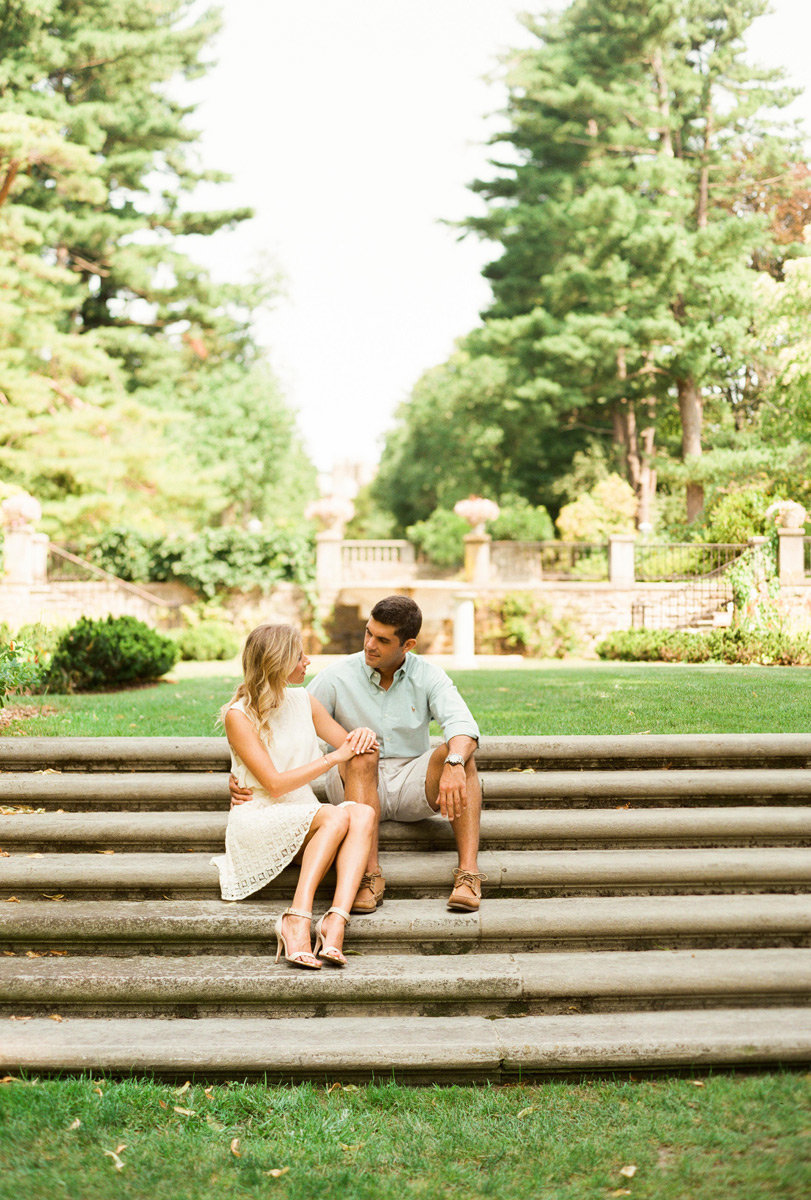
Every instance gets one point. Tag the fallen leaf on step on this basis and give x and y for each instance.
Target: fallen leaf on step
(19, 1018)
(628, 1171)
(10, 953)
(105, 852)
(277, 1172)
(12, 900)
(55, 1017)
(621, 807)
(117, 1163)
(235, 1150)
(34, 954)
(58, 953)
(34, 856)
(51, 896)
(181, 1091)
(4, 854)
(525, 1112)
(75, 1124)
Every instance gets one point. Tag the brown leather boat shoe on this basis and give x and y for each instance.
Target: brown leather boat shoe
(369, 894)
(467, 891)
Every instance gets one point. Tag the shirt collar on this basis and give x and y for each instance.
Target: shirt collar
(373, 675)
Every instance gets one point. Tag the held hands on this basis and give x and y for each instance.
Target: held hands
(359, 741)
(452, 791)
(239, 795)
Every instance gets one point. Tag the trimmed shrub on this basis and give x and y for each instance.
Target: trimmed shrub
(209, 641)
(735, 645)
(93, 655)
(441, 537)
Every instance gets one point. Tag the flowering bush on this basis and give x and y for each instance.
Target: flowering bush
(787, 514)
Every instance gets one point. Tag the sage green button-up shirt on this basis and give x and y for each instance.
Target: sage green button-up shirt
(350, 690)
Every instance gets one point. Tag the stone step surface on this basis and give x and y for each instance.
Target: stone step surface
(621, 752)
(209, 790)
(495, 984)
(648, 905)
(415, 926)
(428, 873)
(551, 828)
(420, 1050)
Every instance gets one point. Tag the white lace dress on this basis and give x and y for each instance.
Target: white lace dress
(263, 835)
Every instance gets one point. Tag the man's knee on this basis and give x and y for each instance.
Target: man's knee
(363, 765)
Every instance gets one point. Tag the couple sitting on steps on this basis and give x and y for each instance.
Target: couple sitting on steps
(375, 709)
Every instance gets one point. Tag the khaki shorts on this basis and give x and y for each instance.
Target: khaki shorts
(400, 786)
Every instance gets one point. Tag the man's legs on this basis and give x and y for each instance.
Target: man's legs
(467, 891)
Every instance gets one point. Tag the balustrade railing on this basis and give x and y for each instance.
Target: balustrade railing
(807, 556)
(667, 562)
(362, 559)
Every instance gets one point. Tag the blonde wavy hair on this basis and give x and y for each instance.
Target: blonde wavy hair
(270, 654)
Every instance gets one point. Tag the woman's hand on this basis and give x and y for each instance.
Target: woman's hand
(350, 747)
(363, 739)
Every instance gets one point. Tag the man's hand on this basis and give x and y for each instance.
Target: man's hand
(239, 795)
(452, 791)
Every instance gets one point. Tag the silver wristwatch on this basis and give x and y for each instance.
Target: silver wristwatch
(454, 760)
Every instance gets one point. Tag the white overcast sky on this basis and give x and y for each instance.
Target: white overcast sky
(352, 128)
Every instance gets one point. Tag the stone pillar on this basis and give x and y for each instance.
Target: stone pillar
(790, 556)
(477, 558)
(621, 571)
(22, 546)
(39, 555)
(328, 565)
(464, 629)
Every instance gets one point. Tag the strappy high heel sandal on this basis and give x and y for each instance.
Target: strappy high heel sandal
(299, 958)
(330, 954)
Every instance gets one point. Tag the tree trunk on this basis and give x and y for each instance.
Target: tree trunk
(691, 410)
(647, 475)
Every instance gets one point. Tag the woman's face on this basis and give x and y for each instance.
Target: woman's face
(299, 670)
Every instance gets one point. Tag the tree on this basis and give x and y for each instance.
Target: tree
(111, 331)
(623, 297)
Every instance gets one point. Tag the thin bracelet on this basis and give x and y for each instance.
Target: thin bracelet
(326, 760)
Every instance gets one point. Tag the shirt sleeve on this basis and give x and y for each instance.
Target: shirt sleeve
(449, 709)
(322, 687)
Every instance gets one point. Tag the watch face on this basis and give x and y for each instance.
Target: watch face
(455, 760)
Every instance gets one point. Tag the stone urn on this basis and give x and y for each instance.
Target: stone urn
(21, 511)
(331, 514)
(787, 514)
(477, 511)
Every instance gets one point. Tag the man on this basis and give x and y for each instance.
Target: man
(397, 695)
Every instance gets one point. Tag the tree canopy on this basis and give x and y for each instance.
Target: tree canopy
(642, 184)
(114, 343)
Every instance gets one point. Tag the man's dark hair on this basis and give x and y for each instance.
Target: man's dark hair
(401, 612)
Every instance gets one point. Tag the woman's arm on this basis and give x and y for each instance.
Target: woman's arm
(245, 742)
(333, 734)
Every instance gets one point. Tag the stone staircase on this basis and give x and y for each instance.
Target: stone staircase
(647, 907)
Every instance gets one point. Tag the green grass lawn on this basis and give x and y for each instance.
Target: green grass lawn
(716, 1137)
(736, 1137)
(557, 698)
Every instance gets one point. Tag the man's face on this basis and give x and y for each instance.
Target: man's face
(382, 648)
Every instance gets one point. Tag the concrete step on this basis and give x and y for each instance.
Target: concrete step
(491, 984)
(514, 872)
(139, 790)
(133, 927)
(506, 829)
(627, 751)
(424, 1049)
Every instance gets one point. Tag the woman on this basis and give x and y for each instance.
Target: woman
(272, 731)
